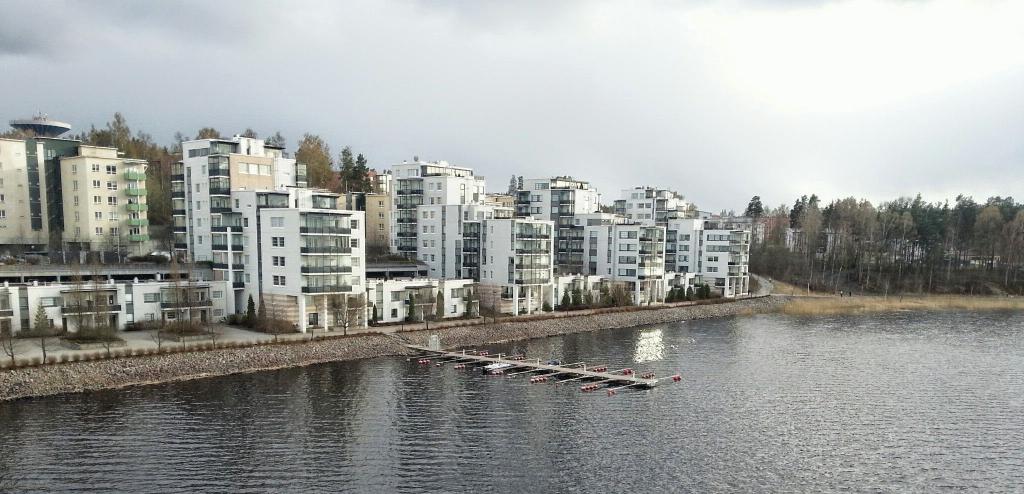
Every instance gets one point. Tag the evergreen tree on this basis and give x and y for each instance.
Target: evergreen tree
(360, 175)
(566, 301)
(689, 293)
(439, 307)
(577, 298)
(513, 185)
(250, 312)
(41, 324)
(754, 209)
(347, 170)
(261, 313)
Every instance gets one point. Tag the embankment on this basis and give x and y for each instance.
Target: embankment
(820, 306)
(132, 371)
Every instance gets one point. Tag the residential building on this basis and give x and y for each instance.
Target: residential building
(119, 304)
(716, 248)
(392, 300)
(560, 199)
(422, 183)
(516, 265)
(378, 222)
(210, 169)
(651, 204)
(503, 200)
(60, 193)
(631, 254)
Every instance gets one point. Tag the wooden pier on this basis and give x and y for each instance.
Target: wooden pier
(544, 372)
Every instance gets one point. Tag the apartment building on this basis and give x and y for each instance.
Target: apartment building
(378, 222)
(716, 248)
(419, 184)
(631, 254)
(517, 265)
(117, 304)
(560, 199)
(61, 193)
(650, 204)
(398, 300)
(201, 185)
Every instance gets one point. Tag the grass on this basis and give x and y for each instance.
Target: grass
(869, 304)
(783, 288)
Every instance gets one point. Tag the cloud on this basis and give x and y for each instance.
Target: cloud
(719, 100)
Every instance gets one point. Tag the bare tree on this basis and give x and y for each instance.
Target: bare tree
(8, 344)
(355, 312)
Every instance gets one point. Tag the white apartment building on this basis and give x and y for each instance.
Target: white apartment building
(650, 204)
(392, 300)
(203, 180)
(62, 193)
(70, 305)
(419, 184)
(517, 265)
(632, 254)
(560, 199)
(716, 249)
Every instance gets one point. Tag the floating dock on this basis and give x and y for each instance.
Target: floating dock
(594, 378)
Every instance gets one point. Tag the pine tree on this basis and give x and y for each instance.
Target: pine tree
(250, 313)
(513, 185)
(41, 323)
(261, 313)
(566, 301)
(361, 177)
(439, 307)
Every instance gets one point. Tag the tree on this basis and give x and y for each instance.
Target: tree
(546, 307)
(513, 186)
(261, 315)
(356, 311)
(411, 317)
(987, 232)
(577, 298)
(208, 133)
(588, 299)
(754, 208)
(689, 293)
(316, 155)
(566, 301)
(250, 312)
(439, 307)
(277, 140)
(375, 318)
(347, 170)
(250, 133)
(8, 344)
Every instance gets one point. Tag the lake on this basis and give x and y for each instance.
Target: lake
(889, 402)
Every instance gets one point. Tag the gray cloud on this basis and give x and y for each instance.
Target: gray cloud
(650, 93)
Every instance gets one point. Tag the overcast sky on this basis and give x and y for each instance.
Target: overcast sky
(718, 100)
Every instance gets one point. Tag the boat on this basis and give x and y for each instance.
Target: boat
(496, 368)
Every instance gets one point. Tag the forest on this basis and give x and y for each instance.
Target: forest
(906, 245)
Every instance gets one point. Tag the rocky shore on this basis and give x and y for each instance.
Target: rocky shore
(133, 371)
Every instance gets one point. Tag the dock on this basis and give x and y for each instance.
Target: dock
(594, 378)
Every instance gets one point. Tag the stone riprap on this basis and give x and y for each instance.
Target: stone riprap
(130, 371)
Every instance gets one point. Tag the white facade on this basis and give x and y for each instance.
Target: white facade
(390, 299)
(716, 249)
(649, 204)
(67, 305)
(517, 265)
(560, 199)
(632, 254)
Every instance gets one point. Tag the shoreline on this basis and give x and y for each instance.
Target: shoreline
(78, 377)
(873, 304)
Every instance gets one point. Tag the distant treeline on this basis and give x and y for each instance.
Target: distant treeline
(904, 245)
(348, 173)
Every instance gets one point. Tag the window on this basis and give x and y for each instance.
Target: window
(354, 224)
(98, 215)
(354, 243)
(3, 214)
(111, 185)
(217, 294)
(277, 221)
(712, 269)
(279, 280)
(95, 184)
(277, 241)
(99, 231)
(114, 231)
(97, 200)
(278, 260)
(712, 258)
(111, 201)
(151, 297)
(96, 167)
(111, 169)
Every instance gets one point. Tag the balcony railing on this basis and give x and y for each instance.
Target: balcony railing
(326, 269)
(89, 309)
(220, 191)
(174, 193)
(195, 304)
(406, 234)
(219, 210)
(135, 192)
(325, 249)
(219, 171)
(6, 312)
(180, 228)
(131, 175)
(180, 245)
(234, 247)
(224, 265)
(137, 222)
(326, 230)
(136, 208)
(178, 177)
(138, 237)
(327, 289)
(409, 192)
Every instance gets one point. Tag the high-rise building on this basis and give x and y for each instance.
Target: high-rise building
(651, 204)
(559, 200)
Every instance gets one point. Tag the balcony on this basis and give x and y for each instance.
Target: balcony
(533, 251)
(219, 210)
(132, 175)
(177, 212)
(136, 192)
(325, 230)
(178, 177)
(179, 228)
(325, 249)
(224, 247)
(226, 228)
(409, 192)
(219, 171)
(533, 235)
(137, 222)
(224, 265)
(6, 312)
(137, 208)
(327, 289)
(406, 220)
(220, 191)
(89, 309)
(180, 245)
(138, 237)
(195, 304)
(406, 234)
(175, 194)
(326, 269)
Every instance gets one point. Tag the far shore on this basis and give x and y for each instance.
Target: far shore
(866, 304)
